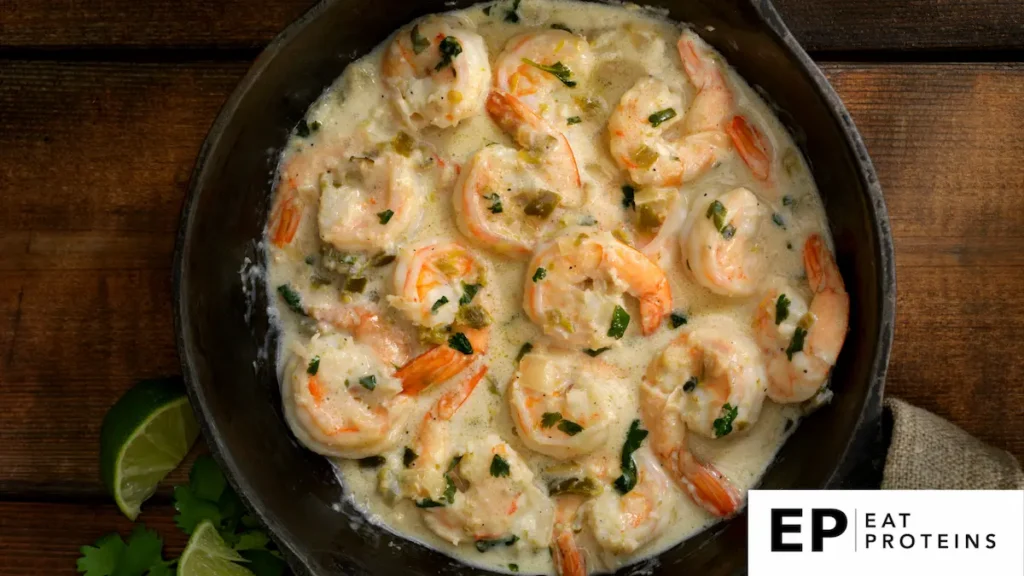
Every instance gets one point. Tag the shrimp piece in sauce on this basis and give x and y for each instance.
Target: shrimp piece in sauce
(519, 68)
(437, 282)
(564, 404)
(722, 246)
(575, 284)
(622, 523)
(802, 341)
(507, 200)
(438, 71)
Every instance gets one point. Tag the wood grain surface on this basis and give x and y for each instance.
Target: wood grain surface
(828, 25)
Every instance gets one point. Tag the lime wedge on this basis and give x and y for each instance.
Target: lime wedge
(207, 555)
(145, 435)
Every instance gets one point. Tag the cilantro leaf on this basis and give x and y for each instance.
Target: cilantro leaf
(558, 70)
(549, 419)
(499, 466)
(254, 539)
(569, 427)
(206, 479)
(723, 424)
(161, 569)
(192, 510)
(624, 483)
(144, 550)
(449, 48)
(263, 562)
(102, 558)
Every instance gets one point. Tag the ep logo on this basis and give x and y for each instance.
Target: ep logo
(823, 523)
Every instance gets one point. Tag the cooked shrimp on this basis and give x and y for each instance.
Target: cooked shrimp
(439, 72)
(506, 199)
(661, 404)
(567, 556)
(657, 138)
(501, 503)
(298, 184)
(621, 524)
(437, 282)
(802, 341)
(721, 373)
(423, 479)
(575, 285)
(342, 401)
(564, 404)
(520, 68)
(722, 248)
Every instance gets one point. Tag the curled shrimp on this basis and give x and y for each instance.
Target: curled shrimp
(507, 200)
(564, 404)
(438, 71)
(519, 69)
(802, 341)
(660, 140)
(436, 283)
(298, 184)
(720, 372)
(371, 205)
(341, 400)
(722, 247)
(622, 523)
(568, 557)
(661, 405)
(575, 285)
(501, 503)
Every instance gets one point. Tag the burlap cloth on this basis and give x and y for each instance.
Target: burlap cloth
(927, 452)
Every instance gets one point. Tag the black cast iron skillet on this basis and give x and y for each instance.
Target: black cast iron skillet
(234, 390)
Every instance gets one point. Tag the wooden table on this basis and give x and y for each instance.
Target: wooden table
(103, 109)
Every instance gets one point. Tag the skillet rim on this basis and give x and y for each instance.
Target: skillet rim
(870, 404)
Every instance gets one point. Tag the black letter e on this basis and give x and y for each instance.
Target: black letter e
(779, 528)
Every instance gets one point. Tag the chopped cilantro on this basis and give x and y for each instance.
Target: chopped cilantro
(449, 48)
(539, 274)
(368, 382)
(291, 298)
(558, 70)
(468, 293)
(549, 419)
(628, 196)
(513, 567)
(573, 120)
(513, 14)
(495, 207)
(569, 427)
(634, 437)
(782, 310)
(385, 216)
(777, 218)
(419, 43)
(661, 116)
(458, 341)
(485, 545)
(797, 343)
(437, 305)
(595, 353)
(499, 467)
(620, 320)
(677, 319)
(409, 456)
(314, 366)
(717, 212)
(723, 424)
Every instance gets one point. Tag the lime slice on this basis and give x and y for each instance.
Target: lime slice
(207, 555)
(145, 435)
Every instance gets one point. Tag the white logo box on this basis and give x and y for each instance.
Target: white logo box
(904, 533)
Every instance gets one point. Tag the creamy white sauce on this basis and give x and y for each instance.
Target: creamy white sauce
(629, 43)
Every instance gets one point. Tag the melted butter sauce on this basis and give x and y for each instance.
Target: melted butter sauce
(629, 43)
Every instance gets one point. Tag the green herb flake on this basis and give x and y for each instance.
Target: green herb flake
(777, 219)
(628, 196)
(620, 321)
(419, 43)
(513, 567)
(458, 341)
(797, 343)
(573, 120)
(524, 350)
(549, 419)
(569, 427)
(409, 456)
(449, 48)
(499, 467)
(372, 462)
(782, 311)
(661, 116)
(595, 353)
(581, 486)
(496, 206)
(690, 384)
(302, 129)
(513, 14)
(355, 284)
(717, 212)
(437, 305)
(677, 319)
(447, 498)
(788, 200)
(291, 298)
(368, 382)
(314, 366)
(634, 437)
(558, 70)
(385, 216)
(429, 503)
(468, 293)
(485, 545)
(539, 274)
(723, 424)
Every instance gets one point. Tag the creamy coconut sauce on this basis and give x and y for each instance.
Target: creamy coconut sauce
(627, 44)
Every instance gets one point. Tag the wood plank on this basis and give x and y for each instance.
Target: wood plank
(42, 538)
(832, 25)
(85, 292)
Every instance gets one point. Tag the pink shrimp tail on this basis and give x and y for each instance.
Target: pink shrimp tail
(514, 117)
(568, 559)
(452, 400)
(822, 272)
(706, 486)
(440, 363)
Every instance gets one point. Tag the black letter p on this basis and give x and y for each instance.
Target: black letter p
(818, 532)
